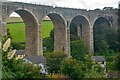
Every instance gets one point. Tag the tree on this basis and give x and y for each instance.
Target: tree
(103, 48)
(73, 32)
(52, 35)
(54, 60)
(93, 69)
(118, 61)
(103, 31)
(47, 42)
(112, 40)
(13, 68)
(95, 72)
(18, 69)
(78, 49)
(88, 62)
(72, 68)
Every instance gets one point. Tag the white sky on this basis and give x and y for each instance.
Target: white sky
(82, 4)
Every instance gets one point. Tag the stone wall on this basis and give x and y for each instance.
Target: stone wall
(62, 32)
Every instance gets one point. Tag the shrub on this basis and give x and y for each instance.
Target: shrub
(78, 49)
(54, 60)
(12, 68)
(49, 44)
(18, 45)
(72, 68)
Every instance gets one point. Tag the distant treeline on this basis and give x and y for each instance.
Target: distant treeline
(14, 22)
(22, 22)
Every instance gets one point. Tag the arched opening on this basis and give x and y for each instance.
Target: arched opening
(57, 34)
(101, 31)
(47, 30)
(79, 27)
(16, 31)
(25, 31)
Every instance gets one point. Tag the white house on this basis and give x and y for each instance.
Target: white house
(37, 60)
(101, 60)
(20, 54)
(33, 59)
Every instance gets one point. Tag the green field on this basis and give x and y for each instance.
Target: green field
(47, 26)
(17, 30)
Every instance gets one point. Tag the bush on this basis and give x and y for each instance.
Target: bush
(118, 61)
(49, 44)
(103, 47)
(12, 68)
(95, 72)
(18, 45)
(78, 49)
(72, 68)
(54, 60)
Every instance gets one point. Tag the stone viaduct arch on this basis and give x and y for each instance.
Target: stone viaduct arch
(101, 26)
(31, 25)
(83, 28)
(102, 18)
(33, 14)
(59, 31)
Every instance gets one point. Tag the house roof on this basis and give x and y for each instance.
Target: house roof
(98, 58)
(36, 59)
(20, 52)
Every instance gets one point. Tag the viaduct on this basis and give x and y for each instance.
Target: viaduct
(62, 18)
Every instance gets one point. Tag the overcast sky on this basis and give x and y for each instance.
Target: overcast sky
(82, 4)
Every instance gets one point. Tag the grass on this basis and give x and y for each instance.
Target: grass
(47, 26)
(17, 30)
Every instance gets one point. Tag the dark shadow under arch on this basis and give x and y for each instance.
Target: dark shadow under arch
(101, 29)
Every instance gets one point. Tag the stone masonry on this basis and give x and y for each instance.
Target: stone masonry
(33, 15)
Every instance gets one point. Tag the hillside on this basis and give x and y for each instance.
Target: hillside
(19, 19)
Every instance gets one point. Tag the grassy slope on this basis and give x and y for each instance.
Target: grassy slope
(47, 26)
(17, 30)
(15, 19)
